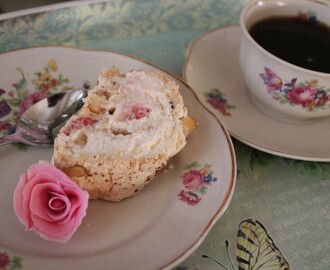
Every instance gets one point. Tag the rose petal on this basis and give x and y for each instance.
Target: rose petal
(39, 203)
(21, 212)
(27, 183)
(66, 207)
(53, 173)
(24, 189)
(57, 204)
(79, 202)
(55, 231)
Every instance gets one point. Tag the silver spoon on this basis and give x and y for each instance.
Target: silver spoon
(39, 125)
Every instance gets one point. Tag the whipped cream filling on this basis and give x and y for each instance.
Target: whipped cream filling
(136, 115)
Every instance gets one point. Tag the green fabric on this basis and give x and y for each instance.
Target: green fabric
(289, 198)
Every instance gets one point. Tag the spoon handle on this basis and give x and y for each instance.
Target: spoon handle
(8, 139)
(19, 137)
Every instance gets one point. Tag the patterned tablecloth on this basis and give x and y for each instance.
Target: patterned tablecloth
(285, 203)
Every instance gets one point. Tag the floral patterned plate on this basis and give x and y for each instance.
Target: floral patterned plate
(212, 70)
(158, 228)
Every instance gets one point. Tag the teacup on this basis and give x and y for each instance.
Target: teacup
(279, 87)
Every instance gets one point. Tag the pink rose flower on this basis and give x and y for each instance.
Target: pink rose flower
(216, 104)
(189, 197)
(4, 125)
(302, 95)
(30, 100)
(4, 260)
(48, 202)
(193, 179)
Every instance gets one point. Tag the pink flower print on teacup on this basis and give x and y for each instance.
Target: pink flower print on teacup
(272, 81)
(321, 98)
(307, 94)
(302, 95)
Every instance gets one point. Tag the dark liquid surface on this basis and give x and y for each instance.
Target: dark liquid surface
(300, 42)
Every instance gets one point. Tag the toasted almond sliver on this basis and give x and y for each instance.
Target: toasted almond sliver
(95, 109)
(189, 124)
(111, 72)
(80, 139)
(76, 171)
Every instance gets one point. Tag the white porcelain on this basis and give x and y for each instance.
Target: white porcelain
(302, 101)
(157, 229)
(212, 63)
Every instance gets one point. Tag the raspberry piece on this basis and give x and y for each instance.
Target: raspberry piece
(78, 123)
(136, 112)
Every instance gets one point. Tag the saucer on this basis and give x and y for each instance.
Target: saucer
(212, 70)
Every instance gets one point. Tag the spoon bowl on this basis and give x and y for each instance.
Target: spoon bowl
(40, 124)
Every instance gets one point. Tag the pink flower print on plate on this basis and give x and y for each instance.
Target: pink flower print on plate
(196, 179)
(218, 101)
(26, 91)
(7, 262)
(193, 179)
(29, 101)
(4, 260)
